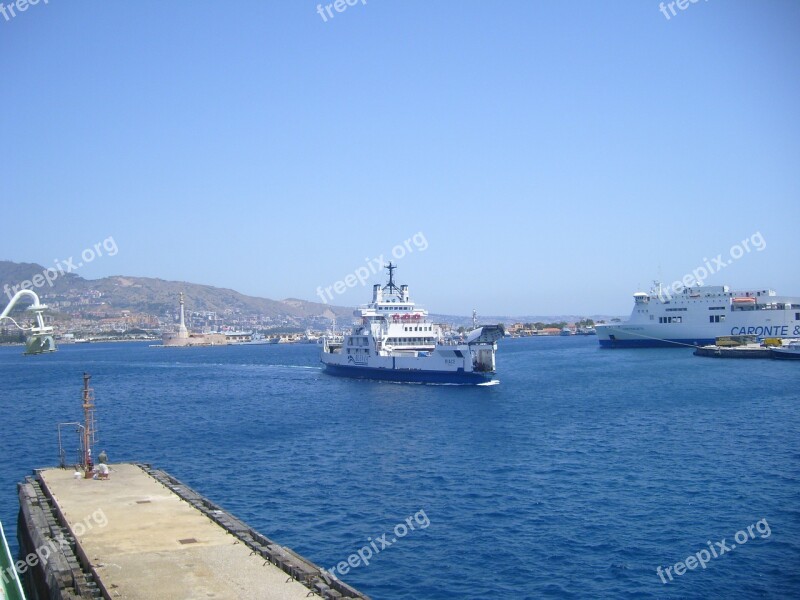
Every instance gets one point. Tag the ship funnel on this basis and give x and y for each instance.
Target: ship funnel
(404, 292)
(377, 293)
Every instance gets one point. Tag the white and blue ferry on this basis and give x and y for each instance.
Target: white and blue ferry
(393, 340)
(697, 316)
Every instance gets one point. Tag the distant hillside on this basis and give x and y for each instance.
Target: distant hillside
(466, 321)
(12, 274)
(550, 318)
(157, 296)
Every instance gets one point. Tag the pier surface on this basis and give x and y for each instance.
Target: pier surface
(142, 534)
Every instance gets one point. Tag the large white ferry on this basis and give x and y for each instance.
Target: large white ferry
(393, 340)
(697, 316)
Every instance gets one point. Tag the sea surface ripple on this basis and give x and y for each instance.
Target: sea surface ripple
(576, 477)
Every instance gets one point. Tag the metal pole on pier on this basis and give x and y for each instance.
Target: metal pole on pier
(89, 426)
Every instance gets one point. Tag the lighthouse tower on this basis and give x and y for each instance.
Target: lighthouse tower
(183, 333)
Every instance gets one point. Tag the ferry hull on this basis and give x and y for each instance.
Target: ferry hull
(459, 377)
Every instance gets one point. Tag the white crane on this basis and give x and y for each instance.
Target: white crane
(41, 337)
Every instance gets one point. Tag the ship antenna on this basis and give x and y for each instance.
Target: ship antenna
(391, 286)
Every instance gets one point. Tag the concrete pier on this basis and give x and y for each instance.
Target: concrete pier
(142, 534)
(734, 352)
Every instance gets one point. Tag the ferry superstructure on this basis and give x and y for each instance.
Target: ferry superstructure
(393, 340)
(697, 316)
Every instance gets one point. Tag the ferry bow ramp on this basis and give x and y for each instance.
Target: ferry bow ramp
(143, 535)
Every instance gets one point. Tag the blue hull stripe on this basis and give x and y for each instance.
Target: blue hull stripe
(650, 343)
(408, 375)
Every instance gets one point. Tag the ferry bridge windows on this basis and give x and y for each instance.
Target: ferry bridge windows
(670, 319)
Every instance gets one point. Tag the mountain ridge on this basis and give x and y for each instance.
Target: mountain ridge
(156, 296)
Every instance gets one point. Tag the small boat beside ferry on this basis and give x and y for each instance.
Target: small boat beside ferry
(750, 346)
(738, 346)
(394, 340)
(697, 316)
(790, 351)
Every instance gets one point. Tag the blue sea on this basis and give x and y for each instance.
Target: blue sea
(577, 476)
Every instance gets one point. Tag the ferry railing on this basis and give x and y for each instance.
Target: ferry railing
(62, 453)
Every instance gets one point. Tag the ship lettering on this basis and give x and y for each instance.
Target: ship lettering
(766, 330)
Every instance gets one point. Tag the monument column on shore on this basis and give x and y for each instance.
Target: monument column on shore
(183, 333)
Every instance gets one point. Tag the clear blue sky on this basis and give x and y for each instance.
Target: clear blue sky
(557, 156)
